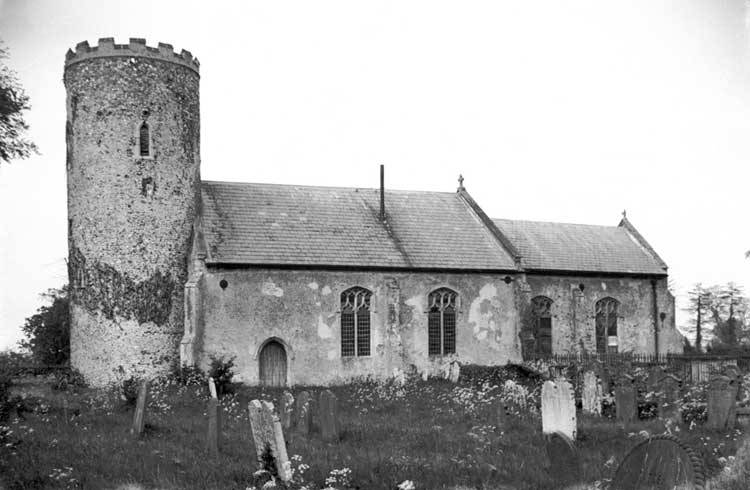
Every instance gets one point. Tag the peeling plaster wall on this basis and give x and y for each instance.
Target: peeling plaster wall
(129, 217)
(301, 309)
(574, 316)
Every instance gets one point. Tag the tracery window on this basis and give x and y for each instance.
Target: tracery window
(441, 322)
(355, 322)
(144, 140)
(542, 322)
(606, 325)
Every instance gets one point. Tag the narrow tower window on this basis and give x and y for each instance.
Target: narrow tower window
(144, 140)
(441, 322)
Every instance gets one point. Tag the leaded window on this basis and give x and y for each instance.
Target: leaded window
(355, 322)
(606, 325)
(144, 140)
(542, 318)
(441, 322)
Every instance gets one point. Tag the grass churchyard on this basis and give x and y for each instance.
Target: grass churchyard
(486, 431)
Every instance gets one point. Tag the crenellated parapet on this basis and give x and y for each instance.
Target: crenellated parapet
(135, 48)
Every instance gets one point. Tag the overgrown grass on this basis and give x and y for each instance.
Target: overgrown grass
(434, 433)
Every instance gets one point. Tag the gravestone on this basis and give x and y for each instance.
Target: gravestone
(722, 395)
(139, 417)
(452, 371)
(399, 377)
(655, 375)
(287, 410)
(591, 395)
(660, 463)
(214, 422)
(669, 397)
(626, 402)
(604, 378)
(558, 408)
(564, 462)
(328, 411)
(267, 433)
(303, 413)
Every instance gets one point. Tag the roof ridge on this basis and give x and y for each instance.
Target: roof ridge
(553, 222)
(325, 187)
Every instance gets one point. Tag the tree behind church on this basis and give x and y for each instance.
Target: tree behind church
(13, 102)
(48, 331)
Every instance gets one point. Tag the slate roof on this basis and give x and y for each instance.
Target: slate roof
(585, 248)
(272, 224)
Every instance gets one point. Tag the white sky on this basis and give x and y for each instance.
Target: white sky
(556, 111)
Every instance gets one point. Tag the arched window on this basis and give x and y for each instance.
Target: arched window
(144, 140)
(606, 325)
(355, 322)
(441, 322)
(540, 309)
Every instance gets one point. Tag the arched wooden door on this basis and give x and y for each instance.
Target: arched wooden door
(273, 364)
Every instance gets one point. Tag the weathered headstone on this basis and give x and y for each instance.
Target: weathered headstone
(564, 461)
(139, 417)
(452, 371)
(655, 375)
(303, 413)
(591, 395)
(328, 410)
(669, 397)
(399, 377)
(287, 410)
(214, 421)
(626, 402)
(267, 433)
(558, 408)
(660, 463)
(722, 395)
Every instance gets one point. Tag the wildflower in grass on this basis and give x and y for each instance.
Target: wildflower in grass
(406, 485)
(341, 478)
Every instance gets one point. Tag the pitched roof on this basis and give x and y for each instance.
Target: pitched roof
(584, 248)
(272, 224)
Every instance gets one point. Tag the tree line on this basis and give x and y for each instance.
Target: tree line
(719, 319)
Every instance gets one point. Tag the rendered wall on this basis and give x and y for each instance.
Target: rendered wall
(301, 308)
(574, 316)
(129, 217)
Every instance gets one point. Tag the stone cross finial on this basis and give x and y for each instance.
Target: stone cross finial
(460, 181)
(624, 213)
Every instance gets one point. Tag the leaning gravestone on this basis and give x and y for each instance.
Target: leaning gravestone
(591, 395)
(268, 435)
(660, 463)
(214, 422)
(655, 375)
(287, 410)
(722, 395)
(564, 461)
(139, 417)
(558, 408)
(303, 413)
(328, 411)
(626, 402)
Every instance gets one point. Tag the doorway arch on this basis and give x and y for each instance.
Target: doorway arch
(272, 364)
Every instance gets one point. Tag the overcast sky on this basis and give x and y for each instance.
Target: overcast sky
(552, 110)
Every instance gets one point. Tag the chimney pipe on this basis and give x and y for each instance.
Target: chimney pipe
(382, 192)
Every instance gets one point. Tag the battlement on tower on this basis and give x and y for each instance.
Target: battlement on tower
(135, 48)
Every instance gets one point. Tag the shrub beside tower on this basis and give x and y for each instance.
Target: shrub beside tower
(133, 166)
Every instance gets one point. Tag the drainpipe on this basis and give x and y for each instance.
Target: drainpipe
(656, 318)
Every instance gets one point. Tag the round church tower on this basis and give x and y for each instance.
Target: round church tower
(133, 165)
